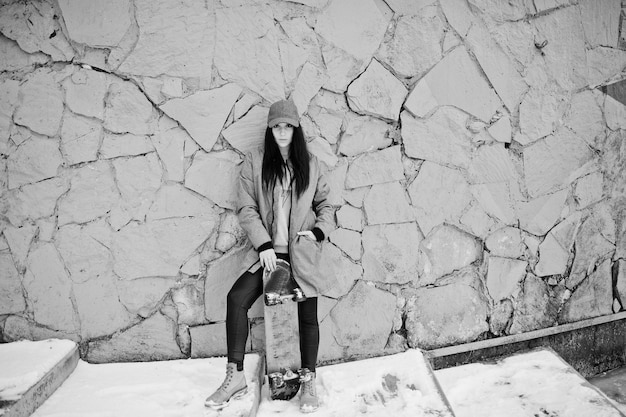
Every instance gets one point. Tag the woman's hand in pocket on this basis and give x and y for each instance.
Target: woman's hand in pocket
(309, 234)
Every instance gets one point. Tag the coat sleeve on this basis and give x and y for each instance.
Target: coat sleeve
(324, 210)
(248, 207)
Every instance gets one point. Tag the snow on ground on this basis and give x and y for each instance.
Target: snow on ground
(397, 385)
(174, 388)
(536, 383)
(24, 363)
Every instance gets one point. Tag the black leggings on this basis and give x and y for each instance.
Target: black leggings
(242, 295)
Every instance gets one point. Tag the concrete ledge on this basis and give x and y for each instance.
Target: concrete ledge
(589, 346)
(41, 388)
(532, 383)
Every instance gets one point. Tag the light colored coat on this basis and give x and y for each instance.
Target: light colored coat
(256, 213)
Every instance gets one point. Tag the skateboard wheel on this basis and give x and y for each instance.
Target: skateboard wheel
(298, 295)
(271, 299)
(283, 386)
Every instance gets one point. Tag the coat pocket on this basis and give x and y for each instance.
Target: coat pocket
(309, 269)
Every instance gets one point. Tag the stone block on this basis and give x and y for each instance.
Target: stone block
(438, 194)
(35, 160)
(592, 298)
(137, 179)
(589, 189)
(114, 146)
(158, 49)
(346, 272)
(444, 250)
(364, 134)
(348, 241)
(170, 146)
(463, 319)
(49, 288)
(85, 91)
(246, 50)
(377, 93)
(225, 165)
(499, 68)
(454, 81)
(11, 291)
(503, 276)
(415, 45)
(208, 340)
(203, 113)
(595, 242)
(85, 250)
(80, 138)
(536, 307)
(99, 308)
(600, 21)
(322, 151)
(19, 240)
(390, 253)
(127, 110)
(564, 51)
(442, 138)
(387, 203)
(350, 218)
(584, 116)
(364, 304)
(359, 37)
(41, 103)
(552, 163)
(160, 247)
(310, 80)
(189, 302)
(375, 168)
(248, 133)
(8, 100)
(153, 339)
(540, 214)
(142, 296)
(506, 242)
(554, 250)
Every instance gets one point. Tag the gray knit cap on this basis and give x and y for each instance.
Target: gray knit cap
(283, 111)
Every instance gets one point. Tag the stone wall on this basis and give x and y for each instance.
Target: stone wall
(476, 151)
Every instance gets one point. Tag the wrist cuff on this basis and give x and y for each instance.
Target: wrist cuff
(265, 246)
(319, 235)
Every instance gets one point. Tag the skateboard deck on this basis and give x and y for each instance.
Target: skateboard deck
(282, 337)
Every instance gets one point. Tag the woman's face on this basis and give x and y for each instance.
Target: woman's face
(283, 133)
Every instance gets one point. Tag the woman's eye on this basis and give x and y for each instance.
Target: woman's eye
(289, 126)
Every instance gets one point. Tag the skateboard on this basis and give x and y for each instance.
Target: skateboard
(282, 341)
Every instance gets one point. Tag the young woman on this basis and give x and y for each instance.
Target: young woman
(282, 205)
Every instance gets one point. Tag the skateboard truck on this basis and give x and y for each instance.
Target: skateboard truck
(281, 286)
(273, 298)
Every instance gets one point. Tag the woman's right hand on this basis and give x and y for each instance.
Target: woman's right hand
(268, 259)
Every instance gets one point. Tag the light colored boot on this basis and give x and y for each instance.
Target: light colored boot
(308, 394)
(234, 386)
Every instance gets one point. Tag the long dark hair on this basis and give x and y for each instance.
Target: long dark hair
(274, 167)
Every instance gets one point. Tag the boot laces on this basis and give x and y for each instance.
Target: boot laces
(229, 377)
(310, 387)
(309, 384)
